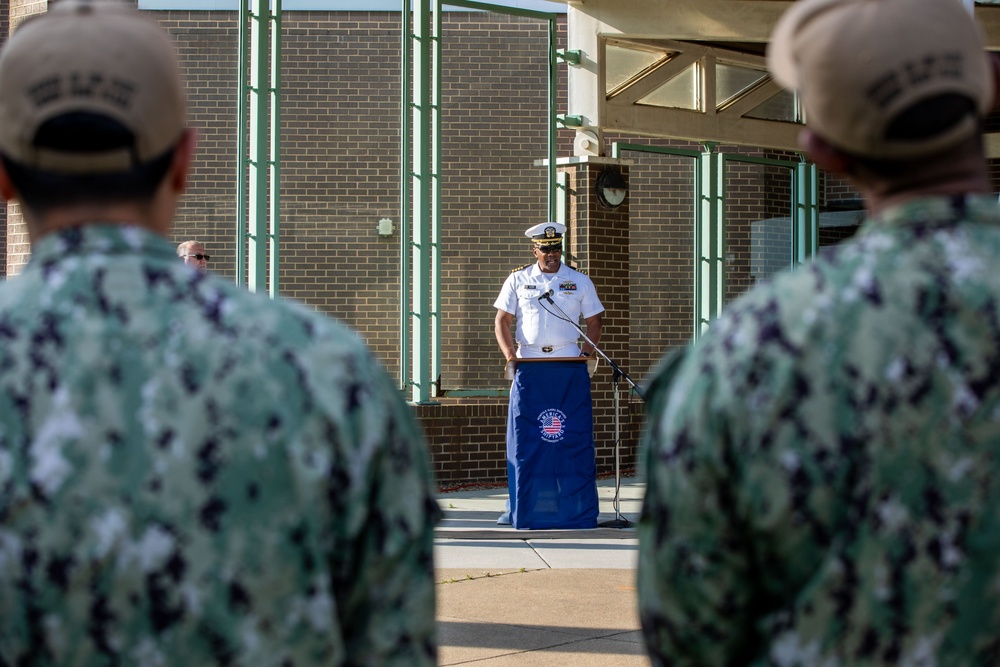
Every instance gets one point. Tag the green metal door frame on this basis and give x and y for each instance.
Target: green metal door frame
(419, 216)
(259, 146)
(804, 205)
(420, 192)
(806, 210)
(710, 238)
(708, 266)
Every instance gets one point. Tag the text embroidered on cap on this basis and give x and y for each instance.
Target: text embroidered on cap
(913, 72)
(81, 85)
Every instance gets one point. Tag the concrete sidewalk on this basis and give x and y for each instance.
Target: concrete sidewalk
(537, 597)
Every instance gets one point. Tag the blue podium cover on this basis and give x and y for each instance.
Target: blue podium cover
(551, 465)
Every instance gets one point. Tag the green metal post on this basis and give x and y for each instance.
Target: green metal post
(617, 149)
(260, 59)
(804, 204)
(435, 254)
(274, 163)
(562, 210)
(710, 219)
(719, 230)
(422, 202)
(710, 239)
(814, 206)
(552, 129)
(805, 209)
(701, 262)
(406, 173)
(242, 145)
(562, 198)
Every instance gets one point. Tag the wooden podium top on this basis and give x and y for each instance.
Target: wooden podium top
(511, 367)
(531, 360)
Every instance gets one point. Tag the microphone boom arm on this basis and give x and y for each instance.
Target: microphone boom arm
(618, 372)
(619, 521)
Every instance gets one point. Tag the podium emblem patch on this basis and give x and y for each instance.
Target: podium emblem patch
(552, 424)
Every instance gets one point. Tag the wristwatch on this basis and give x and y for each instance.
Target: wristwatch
(584, 354)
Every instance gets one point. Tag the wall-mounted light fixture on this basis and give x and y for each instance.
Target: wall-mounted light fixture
(611, 188)
(385, 227)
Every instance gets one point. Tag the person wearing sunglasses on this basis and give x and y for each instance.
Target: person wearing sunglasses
(190, 473)
(193, 253)
(539, 333)
(548, 298)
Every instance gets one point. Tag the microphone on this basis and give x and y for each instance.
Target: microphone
(547, 295)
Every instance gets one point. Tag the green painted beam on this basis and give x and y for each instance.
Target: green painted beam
(805, 212)
(406, 174)
(422, 197)
(258, 192)
(710, 239)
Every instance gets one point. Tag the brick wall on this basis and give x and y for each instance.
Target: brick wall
(661, 241)
(495, 117)
(756, 193)
(340, 167)
(467, 442)
(340, 174)
(833, 188)
(600, 246)
(662, 234)
(22, 9)
(208, 49)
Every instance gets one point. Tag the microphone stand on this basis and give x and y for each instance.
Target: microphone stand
(617, 373)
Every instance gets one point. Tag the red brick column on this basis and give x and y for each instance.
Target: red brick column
(599, 245)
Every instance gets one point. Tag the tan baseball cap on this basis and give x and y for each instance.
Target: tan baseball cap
(92, 56)
(858, 64)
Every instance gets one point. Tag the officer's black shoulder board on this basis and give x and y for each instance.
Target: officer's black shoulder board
(520, 268)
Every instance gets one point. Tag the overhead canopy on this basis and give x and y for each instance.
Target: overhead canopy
(689, 69)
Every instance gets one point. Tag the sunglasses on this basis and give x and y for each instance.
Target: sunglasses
(200, 257)
(549, 248)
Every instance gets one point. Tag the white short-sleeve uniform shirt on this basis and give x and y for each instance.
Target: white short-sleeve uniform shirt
(539, 325)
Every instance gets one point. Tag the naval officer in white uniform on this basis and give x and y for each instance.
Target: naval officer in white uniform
(541, 332)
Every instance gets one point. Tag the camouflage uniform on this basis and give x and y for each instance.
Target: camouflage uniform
(824, 466)
(191, 474)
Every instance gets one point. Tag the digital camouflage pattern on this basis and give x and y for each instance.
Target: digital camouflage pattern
(824, 465)
(192, 474)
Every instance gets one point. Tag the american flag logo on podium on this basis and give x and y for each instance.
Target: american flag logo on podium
(553, 424)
